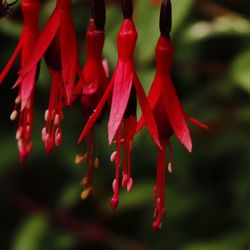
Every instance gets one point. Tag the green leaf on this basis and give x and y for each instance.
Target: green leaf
(31, 234)
(70, 196)
(221, 26)
(241, 70)
(11, 28)
(231, 242)
(181, 10)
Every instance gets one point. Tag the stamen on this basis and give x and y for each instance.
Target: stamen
(13, 115)
(58, 137)
(113, 156)
(56, 120)
(96, 163)
(19, 133)
(18, 99)
(115, 185)
(170, 170)
(23, 133)
(159, 190)
(44, 132)
(52, 134)
(86, 192)
(130, 185)
(46, 115)
(79, 159)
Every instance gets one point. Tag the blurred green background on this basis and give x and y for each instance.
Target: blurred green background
(208, 194)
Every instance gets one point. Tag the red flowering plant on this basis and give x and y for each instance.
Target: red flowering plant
(25, 98)
(125, 87)
(92, 88)
(168, 112)
(58, 42)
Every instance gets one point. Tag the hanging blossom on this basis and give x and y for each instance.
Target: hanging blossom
(58, 42)
(168, 112)
(126, 87)
(91, 90)
(25, 98)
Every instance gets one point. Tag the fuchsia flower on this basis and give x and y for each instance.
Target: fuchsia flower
(30, 10)
(91, 89)
(168, 112)
(58, 41)
(126, 88)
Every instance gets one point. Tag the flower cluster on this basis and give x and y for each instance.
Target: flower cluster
(162, 112)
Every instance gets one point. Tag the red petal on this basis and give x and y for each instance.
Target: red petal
(27, 87)
(146, 112)
(195, 122)
(105, 65)
(43, 42)
(176, 114)
(123, 80)
(96, 113)
(11, 60)
(68, 44)
(153, 96)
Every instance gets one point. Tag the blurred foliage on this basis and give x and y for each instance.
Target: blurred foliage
(208, 194)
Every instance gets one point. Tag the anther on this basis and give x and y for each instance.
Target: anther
(44, 132)
(113, 156)
(46, 115)
(18, 99)
(96, 163)
(84, 181)
(56, 120)
(58, 137)
(170, 169)
(130, 185)
(85, 193)
(19, 133)
(78, 159)
(13, 115)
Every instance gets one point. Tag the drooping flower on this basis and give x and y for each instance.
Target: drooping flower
(92, 88)
(126, 87)
(58, 44)
(30, 10)
(53, 116)
(168, 112)
(60, 27)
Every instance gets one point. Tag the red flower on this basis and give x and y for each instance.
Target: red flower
(91, 90)
(58, 43)
(170, 118)
(30, 11)
(126, 87)
(60, 27)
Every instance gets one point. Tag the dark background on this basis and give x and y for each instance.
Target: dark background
(208, 194)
